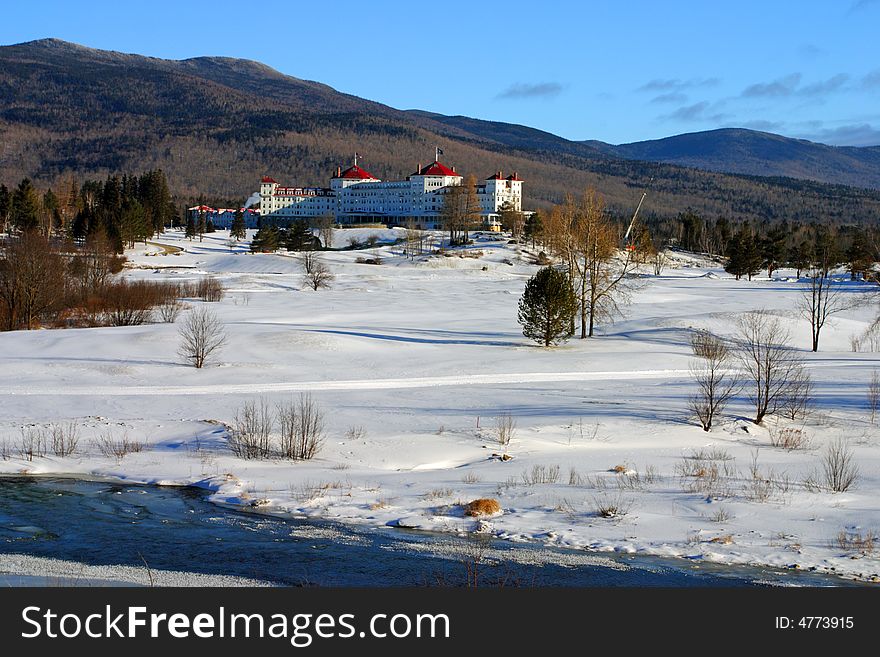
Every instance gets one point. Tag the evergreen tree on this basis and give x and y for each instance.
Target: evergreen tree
(190, 231)
(5, 206)
(773, 251)
(859, 256)
(548, 307)
(511, 219)
(239, 228)
(133, 225)
(266, 240)
(202, 225)
(209, 227)
(299, 237)
(825, 252)
(800, 256)
(51, 213)
(533, 228)
(734, 256)
(744, 255)
(691, 230)
(25, 206)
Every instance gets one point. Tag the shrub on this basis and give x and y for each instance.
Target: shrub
(789, 438)
(302, 428)
(863, 543)
(65, 439)
(541, 474)
(839, 467)
(356, 432)
(129, 303)
(32, 444)
(118, 449)
(505, 428)
(607, 506)
(170, 309)
(201, 336)
(250, 434)
(209, 289)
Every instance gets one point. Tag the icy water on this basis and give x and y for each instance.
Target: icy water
(100, 523)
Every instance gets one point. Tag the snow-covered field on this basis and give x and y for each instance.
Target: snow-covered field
(412, 361)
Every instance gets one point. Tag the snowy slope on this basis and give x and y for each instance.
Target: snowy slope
(423, 355)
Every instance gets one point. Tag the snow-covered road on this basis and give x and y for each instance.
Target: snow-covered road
(353, 384)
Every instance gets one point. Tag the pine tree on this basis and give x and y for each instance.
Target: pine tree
(5, 206)
(744, 255)
(548, 307)
(266, 240)
(859, 256)
(238, 230)
(773, 249)
(202, 225)
(299, 237)
(800, 256)
(190, 227)
(533, 228)
(25, 206)
(734, 256)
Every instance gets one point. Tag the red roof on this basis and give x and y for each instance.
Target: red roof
(495, 176)
(514, 177)
(436, 169)
(358, 173)
(267, 179)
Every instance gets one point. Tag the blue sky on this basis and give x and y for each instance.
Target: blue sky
(615, 71)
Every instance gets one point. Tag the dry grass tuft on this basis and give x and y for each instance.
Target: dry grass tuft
(856, 542)
(482, 507)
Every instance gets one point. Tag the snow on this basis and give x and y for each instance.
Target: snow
(423, 355)
(27, 570)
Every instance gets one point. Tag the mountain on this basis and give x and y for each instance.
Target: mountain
(736, 150)
(215, 125)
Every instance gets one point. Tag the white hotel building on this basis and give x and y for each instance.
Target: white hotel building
(356, 196)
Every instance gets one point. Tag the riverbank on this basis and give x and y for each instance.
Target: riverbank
(101, 533)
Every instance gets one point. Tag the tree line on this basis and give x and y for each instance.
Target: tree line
(596, 273)
(124, 209)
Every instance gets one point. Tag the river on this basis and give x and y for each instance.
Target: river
(104, 523)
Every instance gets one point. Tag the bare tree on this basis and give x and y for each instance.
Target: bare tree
(324, 224)
(93, 265)
(201, 336)
(413, 242)
(319, 276)
(874, 394)
(170, 309)
(659, 260)
(31, 280)
(598, 270)
(768, 361)
(821, 298)
(796, 400)
(308, 260)
(716, 384)
(302, 428)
